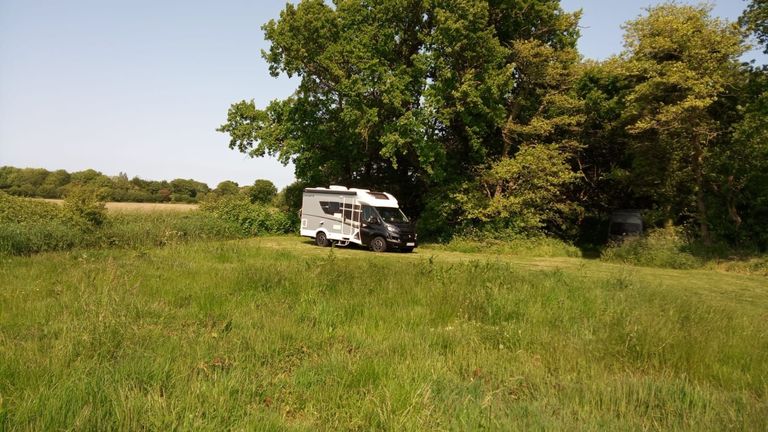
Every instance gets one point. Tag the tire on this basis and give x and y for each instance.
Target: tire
(406, 249)
(378, 244)
(322, 240)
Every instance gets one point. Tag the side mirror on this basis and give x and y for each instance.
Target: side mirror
(372, 220)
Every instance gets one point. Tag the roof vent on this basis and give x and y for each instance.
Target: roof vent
(337, 187)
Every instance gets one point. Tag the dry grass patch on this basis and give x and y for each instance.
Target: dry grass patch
(130, 207)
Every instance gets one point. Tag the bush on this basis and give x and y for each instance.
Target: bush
(87, 204)
(509, 243)
(251, 218)
(26, 239)
(20, 210)
(262, 191)
(664, 247)
(28, 226)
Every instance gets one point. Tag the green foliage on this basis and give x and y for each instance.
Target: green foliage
(673, 247)
(152, 229)
(743, 204)
(680, 80)
(665, 247)
(262, 191)
(604, 160)
(442, 215)
(31, 226)
(526, 193)
(38, 182)
(508, 242)
(434, 101)
(755, 21)
(410, 96)
(227, 187)
(250, 218)
(292, 196)
(44, 236)
(187, 190)
(86, 204)
(19, 210)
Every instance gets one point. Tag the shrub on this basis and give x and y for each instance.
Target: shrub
(87, 204)
(29, 226)
(26, 239)
(527, 193)
(510, 243)
(262, 191)
(665, 247)
(251, 218)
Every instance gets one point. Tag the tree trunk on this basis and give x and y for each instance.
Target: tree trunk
(732, 211)
(701, 205)
(506, 137)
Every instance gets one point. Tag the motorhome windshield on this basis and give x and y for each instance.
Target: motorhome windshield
(390, 215)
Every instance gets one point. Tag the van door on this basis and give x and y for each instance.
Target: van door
(370, 224)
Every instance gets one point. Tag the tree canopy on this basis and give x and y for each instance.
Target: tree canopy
(483, 113)
(403, 94)
(755, 21)
(262, 191)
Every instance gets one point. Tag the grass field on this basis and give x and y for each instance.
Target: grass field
(131, 207)
(276, 334)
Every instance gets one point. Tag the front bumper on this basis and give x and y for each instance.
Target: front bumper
(402, 240)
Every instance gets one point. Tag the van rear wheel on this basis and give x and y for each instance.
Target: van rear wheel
(321, 239)
(378, 244)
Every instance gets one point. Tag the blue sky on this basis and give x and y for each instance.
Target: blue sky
(141, 86)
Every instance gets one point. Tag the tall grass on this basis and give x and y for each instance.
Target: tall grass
(667, 247)
(236, 335)
(671, 248)
(509, 243)
(122, 230)
(31, 226)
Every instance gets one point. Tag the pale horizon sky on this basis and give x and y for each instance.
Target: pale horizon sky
(140, 87)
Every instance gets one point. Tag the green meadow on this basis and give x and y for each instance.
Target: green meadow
(274, 333)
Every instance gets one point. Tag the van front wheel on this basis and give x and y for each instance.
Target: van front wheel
(378, 244)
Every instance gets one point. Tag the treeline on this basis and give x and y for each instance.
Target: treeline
(483, 115)
(41, 183)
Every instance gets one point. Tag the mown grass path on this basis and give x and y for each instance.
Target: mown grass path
(740, 289)
(277, 334)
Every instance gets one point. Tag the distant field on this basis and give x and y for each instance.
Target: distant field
(275, 333)
(118, 207)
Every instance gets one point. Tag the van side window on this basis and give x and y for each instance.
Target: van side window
(368, 213)
(330, 207)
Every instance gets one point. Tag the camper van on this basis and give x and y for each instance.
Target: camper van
(625, 223)
(340, 216)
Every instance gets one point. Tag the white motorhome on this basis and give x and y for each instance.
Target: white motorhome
(341, 216)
